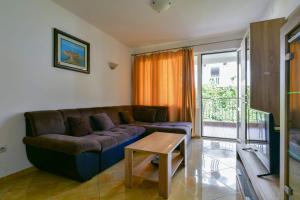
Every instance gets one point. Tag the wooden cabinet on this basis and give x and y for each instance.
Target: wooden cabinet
(265, 66)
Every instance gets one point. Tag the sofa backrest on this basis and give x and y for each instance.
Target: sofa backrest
(162, 112)
(44, 122)
(56, 121)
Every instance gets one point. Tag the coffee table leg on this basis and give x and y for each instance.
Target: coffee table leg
(128, 167)
(183, 152)
(165, 171)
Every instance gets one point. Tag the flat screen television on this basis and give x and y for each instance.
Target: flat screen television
(264, 140)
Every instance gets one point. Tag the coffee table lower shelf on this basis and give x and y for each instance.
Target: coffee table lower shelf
(146, 170)
(158, 143)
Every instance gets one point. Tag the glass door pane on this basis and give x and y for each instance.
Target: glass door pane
(294, 120)
(219, 95)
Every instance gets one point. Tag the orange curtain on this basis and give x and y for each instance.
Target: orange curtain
(166, 79)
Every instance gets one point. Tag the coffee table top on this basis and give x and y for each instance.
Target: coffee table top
(158, 142)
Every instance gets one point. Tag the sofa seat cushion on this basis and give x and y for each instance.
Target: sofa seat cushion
(132, 130)
(116, 135)
(138, 123)
(170, 127)
(167, 124)
(174, 124)
(119, 136)
(63, 143)
(105, 141)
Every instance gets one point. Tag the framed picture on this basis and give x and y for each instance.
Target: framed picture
(71, 53)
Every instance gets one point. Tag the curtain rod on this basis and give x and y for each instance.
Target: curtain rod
(137, 54)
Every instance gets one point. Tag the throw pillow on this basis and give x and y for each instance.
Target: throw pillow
(126, 117)
(79, 126)
(102, 122)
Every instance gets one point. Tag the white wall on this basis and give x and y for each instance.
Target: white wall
(280, 8)
(28, 80)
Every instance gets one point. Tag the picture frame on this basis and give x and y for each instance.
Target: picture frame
(71, 52)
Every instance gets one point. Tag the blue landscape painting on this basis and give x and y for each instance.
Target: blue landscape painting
(72, 53)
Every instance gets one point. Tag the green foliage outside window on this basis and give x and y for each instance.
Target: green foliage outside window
(220, 104)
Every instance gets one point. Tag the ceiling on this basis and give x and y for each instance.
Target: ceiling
(219, 58)
(136, 24)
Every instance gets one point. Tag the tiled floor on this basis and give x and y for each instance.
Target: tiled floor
(220, 131)
(210, 174)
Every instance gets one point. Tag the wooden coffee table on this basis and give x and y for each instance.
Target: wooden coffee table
(162, 144)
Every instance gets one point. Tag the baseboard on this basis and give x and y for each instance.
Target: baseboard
(18, 174)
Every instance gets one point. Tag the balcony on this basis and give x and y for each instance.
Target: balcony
(219, 117)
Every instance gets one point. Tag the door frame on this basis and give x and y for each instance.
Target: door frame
(200, 92)
(238, 54)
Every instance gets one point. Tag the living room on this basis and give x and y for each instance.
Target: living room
(190, 95)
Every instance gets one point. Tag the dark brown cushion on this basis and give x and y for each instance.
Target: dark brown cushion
(66, 113)
(118, 136)
(113, 114)
(162, 114)
(86, 113)
(102, 122)
(105, 141)
(126, 117)
(132, 130)
(63, 143)
(145, 115)
(79, 126)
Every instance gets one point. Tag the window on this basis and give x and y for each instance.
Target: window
(214, 74)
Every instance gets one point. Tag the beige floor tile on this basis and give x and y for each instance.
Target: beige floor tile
(236, 196)
(209, 175)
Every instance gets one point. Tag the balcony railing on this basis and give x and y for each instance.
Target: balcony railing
(219, 109)
(224, 110)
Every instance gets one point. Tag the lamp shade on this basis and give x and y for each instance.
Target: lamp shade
(112, 65)
(161, 5)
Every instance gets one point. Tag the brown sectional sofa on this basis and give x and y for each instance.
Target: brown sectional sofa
(51, 147)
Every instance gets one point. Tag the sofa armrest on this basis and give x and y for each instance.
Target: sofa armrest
(63, 143)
